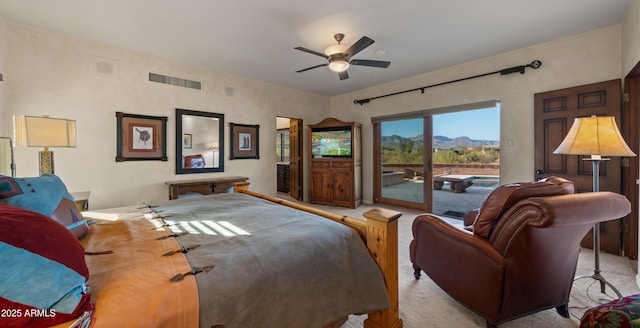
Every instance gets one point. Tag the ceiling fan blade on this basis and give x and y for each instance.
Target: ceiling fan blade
(358, 46)
(312, 67)
(372, 63)
(343, 75)
(312, 52)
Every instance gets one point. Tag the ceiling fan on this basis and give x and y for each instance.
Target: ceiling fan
(340, 59)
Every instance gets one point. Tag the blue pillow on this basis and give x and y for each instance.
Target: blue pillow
(43, 273)
(46, 195)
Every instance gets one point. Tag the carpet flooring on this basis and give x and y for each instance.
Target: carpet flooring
(424, 304)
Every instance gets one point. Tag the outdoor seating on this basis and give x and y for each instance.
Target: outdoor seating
(392, 178)
(459, 183)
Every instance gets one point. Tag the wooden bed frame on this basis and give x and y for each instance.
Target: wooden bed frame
(380, 233)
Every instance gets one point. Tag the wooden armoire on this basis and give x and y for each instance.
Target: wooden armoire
(335, 164)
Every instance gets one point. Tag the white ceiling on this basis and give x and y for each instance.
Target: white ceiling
(255, 38)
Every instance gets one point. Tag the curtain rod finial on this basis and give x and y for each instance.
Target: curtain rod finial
(535, 64)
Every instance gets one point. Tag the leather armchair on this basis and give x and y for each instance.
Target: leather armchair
(527, 260)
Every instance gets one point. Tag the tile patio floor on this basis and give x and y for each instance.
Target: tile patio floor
(444, 200)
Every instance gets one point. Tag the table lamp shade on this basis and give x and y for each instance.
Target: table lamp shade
(44, 131)
(34, 131)
(594, 135)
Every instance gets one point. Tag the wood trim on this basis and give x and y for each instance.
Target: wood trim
(427, 171)
(427, 204)
(404, 203)
(380, 233)
(630, 168)
(377, 162)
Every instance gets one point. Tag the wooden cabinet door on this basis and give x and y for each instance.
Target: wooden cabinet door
(342, 191)
(320, 191)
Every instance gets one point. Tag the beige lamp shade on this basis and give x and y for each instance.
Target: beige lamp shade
(594, 135)
(35, 131)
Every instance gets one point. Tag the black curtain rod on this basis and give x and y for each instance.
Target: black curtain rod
(516, 69)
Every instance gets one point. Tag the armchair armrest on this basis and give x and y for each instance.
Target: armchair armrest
(555, 212)
(447, 242)
(465, 265)
(469, 218)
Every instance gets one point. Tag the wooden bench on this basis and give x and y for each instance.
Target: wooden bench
(459, 183)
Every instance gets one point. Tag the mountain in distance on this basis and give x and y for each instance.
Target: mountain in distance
(440, 142)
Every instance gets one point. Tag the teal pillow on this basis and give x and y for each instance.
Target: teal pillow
(44, 279)
(46, 195)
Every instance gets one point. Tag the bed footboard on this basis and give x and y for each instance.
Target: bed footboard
(380, 233)
(382, 241)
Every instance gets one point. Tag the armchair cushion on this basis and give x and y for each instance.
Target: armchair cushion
(505, 196)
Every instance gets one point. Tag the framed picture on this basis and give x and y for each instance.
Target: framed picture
(186, 140)
(244, 141)
(141, 137)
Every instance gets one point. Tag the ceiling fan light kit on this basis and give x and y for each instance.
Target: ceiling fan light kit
(338, 63)
(340, 59)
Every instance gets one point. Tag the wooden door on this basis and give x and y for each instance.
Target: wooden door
(554, 115)
(295, 159)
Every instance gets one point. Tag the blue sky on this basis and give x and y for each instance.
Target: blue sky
(481, 124)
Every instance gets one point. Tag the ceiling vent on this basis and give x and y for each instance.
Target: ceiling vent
(153, 77)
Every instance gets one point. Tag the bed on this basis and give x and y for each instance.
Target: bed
(273, 263)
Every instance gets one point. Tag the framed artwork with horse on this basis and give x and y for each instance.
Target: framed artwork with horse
(141, 137)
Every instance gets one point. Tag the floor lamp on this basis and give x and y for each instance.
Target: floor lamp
(44, 131)
(213, 145)
(596, 136)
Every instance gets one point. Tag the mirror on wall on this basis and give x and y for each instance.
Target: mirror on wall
(199, 141)
(7, 166)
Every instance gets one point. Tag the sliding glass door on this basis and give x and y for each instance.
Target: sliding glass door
(402, 149)
(466, 160)
(444, 161)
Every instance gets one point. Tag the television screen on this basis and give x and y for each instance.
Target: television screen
(330, 143)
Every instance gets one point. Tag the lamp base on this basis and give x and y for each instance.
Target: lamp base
(603, 282)
(595, 160)
(46, 162)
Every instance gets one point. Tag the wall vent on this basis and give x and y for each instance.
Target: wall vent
(153, 77)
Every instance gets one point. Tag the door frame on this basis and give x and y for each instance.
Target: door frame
(300, 157)
(630, 165)
(427, 205)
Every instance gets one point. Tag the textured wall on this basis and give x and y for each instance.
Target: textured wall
(53, 74)
(630, 37)
(580, 59)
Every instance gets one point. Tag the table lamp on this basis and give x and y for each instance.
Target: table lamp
(44, 131)
(596, 136)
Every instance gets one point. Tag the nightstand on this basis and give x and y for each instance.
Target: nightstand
(82, 199)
